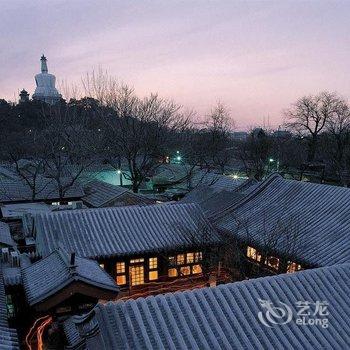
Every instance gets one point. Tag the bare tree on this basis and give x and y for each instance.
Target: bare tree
(219, 125)
(69, 148)
(28, 162)
(69, 91)
(254, 153)
(282, 238)
(337, 140)
(136, 129)
(204, 240)
(309, 116)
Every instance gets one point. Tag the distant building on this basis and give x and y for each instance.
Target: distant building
(100, 194)
(284, 134)
(45, 85)
(239, 135)
(23, 96)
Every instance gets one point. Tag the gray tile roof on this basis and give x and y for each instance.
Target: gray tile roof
(19, 191)
(101, 194)
(12, 276)
(52, 273)
(315, 216)
(218, 181)
(6, 174)
(214, 200)
(107, 232)
(224, 317)
(18, 210)
(8, 336)
(183, 175)
(5, 235)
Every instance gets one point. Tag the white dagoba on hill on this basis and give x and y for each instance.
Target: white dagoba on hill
(45, 85)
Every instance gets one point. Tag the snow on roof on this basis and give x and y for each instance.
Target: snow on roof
(99, 194)
(107, 232)
(214, 200)
(19, 191)
(8, 336)
(52, 273)
(18, 210)
(225, 317)
(5, 235)
(315, 217)
(6, 174)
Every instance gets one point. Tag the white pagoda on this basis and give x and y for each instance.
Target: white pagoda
(45, 85)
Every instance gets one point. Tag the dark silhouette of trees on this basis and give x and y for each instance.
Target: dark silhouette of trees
(255, 152)
(309, 117)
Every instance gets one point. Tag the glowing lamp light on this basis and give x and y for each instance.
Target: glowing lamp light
(235, 177)
(178, 158)
(119, 171)
(271, 160)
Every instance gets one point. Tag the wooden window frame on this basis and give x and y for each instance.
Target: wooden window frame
(121, 273)
(190, 259)
(153, 268)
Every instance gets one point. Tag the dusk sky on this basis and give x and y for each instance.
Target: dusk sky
(255, 56)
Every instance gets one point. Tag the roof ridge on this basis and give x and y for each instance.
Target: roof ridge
(111, 209)
(252, 194)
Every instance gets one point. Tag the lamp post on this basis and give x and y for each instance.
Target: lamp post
(119, 172)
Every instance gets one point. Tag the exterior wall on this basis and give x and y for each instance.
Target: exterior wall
(177, 270)
(258, 263)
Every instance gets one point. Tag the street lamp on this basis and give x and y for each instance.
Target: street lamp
(271, 160)
(119, 172)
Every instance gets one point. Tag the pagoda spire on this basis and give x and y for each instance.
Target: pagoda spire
(43, 64)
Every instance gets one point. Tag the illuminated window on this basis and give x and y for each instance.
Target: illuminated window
(172, 261)
(272, 262)
(253, 254)
(196, 269)
(153, 275)
(153, 263)
(137, 275)
(293, 267)
(190, 258)
(172, 272)
(133, 261)
(55, 203)
(121, 280)
(120, 267)
(180, 259)
(120, 272)
(197, 256)
(185, 270)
